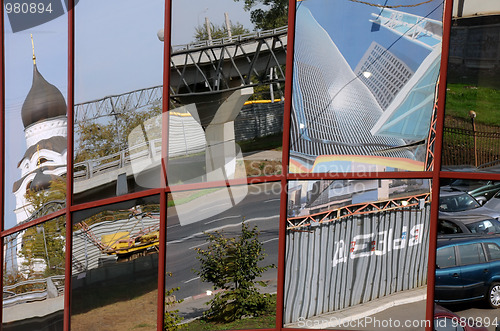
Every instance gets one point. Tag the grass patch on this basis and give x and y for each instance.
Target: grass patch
(195, 195)
(462, 98)
(267, 321)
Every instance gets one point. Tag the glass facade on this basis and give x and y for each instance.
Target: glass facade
(249, 165)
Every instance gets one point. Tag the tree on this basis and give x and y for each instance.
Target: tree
(45, 241)
(219, 31)
(275, 14)
(171, 318)
(96, 139)
(232, 264)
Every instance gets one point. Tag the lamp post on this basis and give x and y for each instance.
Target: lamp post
(472, 115)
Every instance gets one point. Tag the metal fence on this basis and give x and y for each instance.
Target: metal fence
(465, 144)
(345, 261)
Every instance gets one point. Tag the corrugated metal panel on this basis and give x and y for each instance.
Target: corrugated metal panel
(335, 265)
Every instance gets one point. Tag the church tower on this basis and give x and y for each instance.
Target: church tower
(44, 119)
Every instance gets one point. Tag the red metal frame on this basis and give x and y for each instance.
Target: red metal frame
(2, 140)
(433, 173)
(448, 7)
(69, 163)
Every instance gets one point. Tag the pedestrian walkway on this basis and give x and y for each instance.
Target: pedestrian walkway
(358, 312)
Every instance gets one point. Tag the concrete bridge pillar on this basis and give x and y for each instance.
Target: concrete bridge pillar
(222, 151)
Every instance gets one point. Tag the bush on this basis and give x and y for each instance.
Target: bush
(232, 264)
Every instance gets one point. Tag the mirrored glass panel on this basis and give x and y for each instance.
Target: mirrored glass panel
(35, 112)
(115, 266)
(222, 257)
(227, 78)
(468, 253)
(356, 254)
(364, 86)
(33, 278)
(118, 96)
(471, 136)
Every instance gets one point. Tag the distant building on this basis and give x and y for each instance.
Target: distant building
(44, 119)
(383, 73)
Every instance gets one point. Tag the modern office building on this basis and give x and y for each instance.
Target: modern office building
(383, 73)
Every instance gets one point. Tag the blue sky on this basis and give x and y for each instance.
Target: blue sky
(348, 25)
(117, 51)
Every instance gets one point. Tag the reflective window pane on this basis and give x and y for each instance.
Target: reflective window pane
(115, 266)
(227, 78)
(364, 86)
(467, 260)
(33, 283)
(353, 245)
(471, 136)
(222, 254)
(118, 97)
(35, 113)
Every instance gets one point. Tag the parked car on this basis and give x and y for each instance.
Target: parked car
(467, 269)
(487, 191)
(455, 203)
(460, 225)
(445, 320)
(493, 203)
(479, 189)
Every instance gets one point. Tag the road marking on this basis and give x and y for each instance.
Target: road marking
(271, 200)
(173, 226)
(187, 281)
(270, 240)
(224, 218)
(197, 246)
(221, 228)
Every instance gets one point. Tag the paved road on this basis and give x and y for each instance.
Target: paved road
(479, 311)
(260, 207)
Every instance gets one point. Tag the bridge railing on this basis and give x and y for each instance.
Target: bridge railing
(228, 40)
(90, 168)
(43, 292)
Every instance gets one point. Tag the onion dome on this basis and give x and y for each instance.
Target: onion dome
(44, 101)
(41, 180)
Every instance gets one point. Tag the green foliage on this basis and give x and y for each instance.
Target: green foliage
(98, 138)
(274, 15)
(232, 264)
(172, 319)
(45, 242)
(219, 31)
(56, 191)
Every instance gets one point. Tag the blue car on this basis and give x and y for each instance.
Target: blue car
(467, 269)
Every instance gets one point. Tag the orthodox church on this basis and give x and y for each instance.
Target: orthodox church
(44, 119)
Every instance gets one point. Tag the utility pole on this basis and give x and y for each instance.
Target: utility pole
(209, 31)
(228, 26)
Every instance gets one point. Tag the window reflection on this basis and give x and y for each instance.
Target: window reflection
(227, 101)
(35, 113)
(371, 111)
(471, 137)
(118, 88)
(468, 228)
(205, 223)
(352, 244)
(115, 265)
(33, 284)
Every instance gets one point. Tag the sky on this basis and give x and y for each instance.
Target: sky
(116, 51)
(348, 25)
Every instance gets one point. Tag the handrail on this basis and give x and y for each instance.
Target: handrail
(229, 40)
